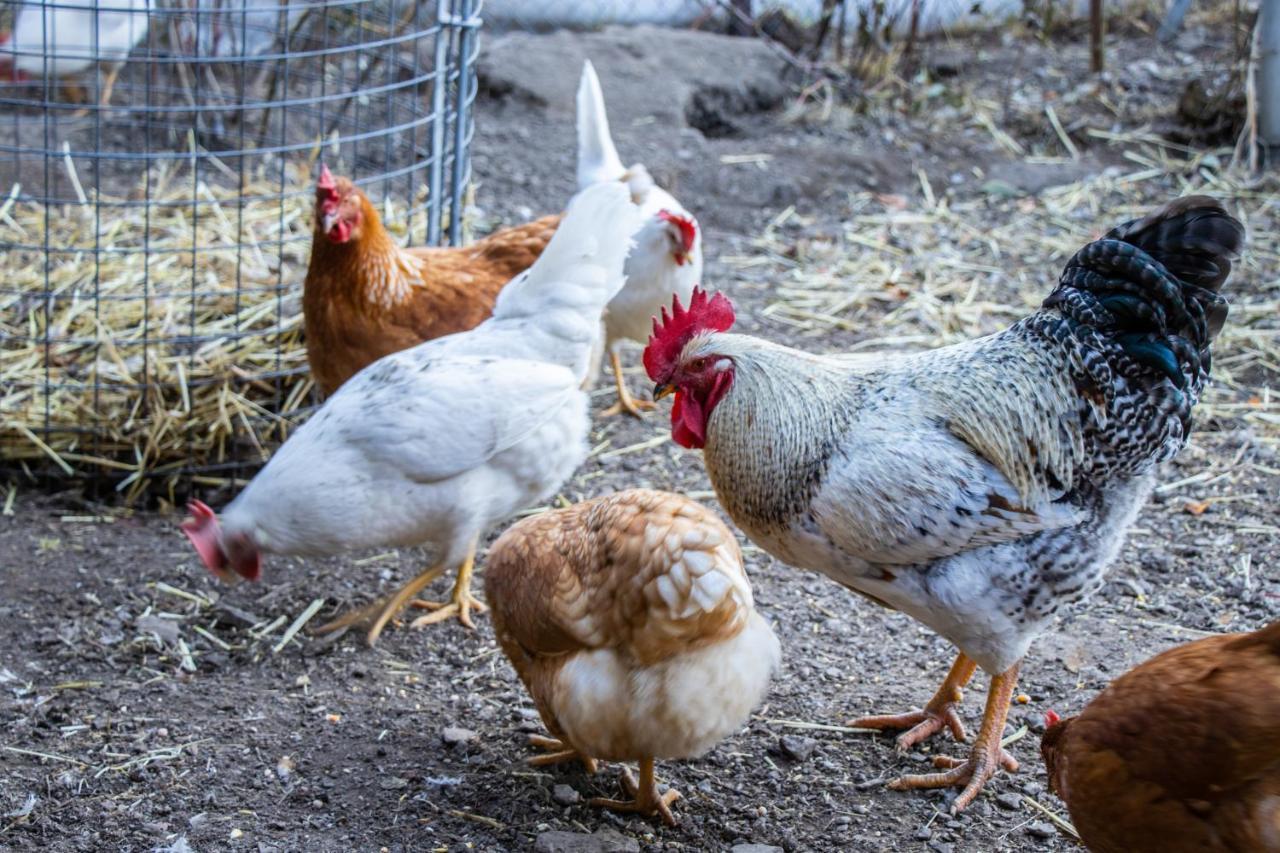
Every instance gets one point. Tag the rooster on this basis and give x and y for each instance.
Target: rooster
(667, 257)
(365, 296)
(629, 618)
(1180, 753)
(978, 487)
(63, 40)
(434, 444)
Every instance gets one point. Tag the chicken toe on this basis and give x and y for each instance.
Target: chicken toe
(646, 799)
(380, 612)
(460, 604)
(987, 757)
(558, 752)
(939, 713)
(626, 403)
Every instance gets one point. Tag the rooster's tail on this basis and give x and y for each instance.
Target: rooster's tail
(598, 159)
(1152, 285)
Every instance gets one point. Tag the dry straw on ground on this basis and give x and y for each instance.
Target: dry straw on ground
(140, 362)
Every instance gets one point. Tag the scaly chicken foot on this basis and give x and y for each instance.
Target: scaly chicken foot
(559, 752)
(645, 797)
(626, 403)
(460, 604)
(985, 759)
(940, 712)
(382, 610)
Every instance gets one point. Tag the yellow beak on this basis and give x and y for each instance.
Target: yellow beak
(660, 390)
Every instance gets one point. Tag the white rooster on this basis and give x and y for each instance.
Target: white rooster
(64, 39)
(433, 444)
(667, 258)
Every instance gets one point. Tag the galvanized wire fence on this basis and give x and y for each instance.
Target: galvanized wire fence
(157, 165)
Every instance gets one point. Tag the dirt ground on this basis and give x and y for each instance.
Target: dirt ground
(143, 706)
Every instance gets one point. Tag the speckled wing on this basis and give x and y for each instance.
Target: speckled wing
(432, 419)
(894, 501)
(648, 574)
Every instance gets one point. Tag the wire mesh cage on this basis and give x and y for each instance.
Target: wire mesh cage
(157, 163)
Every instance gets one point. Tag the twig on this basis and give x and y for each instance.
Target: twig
(303, 618)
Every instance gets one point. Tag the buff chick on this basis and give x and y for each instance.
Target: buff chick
(629, 618)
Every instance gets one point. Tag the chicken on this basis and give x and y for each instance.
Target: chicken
(65, 39)
(1181, 753)
(667, 258)
(978, 487)
(629, 619)
(434, 444)
(366, 297)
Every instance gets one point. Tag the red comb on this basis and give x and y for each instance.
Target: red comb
(325, 185)
(688, 228)
(1051, 719)
(202, 530)
(672, 331)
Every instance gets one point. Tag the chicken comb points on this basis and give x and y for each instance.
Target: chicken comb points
(325, 183)
(1051, 719)
(688, 228)
(672, 331)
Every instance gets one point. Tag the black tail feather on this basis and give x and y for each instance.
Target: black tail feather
(1153, 283)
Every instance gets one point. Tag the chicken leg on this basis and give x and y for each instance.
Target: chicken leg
(626, 403)
(939, 712)
(382, 610)
(557, 752)
(645, 798)
(460, 604)
(985, 759)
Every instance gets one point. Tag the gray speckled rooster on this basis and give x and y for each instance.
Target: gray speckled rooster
(977, 487)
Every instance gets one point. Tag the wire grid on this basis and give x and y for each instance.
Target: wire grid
(155, 244)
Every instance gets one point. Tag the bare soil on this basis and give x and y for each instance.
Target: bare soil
(143, 706)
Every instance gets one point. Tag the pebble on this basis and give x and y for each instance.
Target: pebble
(455, 736)
(755, 848)
(798, 748)
(565, 795)
(924, 833)
(1011, 802)
(1041, 829)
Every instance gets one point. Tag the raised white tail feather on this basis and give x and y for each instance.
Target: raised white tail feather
(598, 159)
(596, 232)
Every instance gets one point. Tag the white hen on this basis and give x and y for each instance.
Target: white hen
(667, 258)
(64, 39)
(433, 444)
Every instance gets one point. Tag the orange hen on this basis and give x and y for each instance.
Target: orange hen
(366, 296)
(1181, 753)
(630, 620)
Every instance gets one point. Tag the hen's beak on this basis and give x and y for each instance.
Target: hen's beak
(327, 221)
(662, 389)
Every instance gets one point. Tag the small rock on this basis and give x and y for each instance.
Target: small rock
(1041, 829)
(454, 736)
(755, 848)
(940, 847)
(166, 630)
(565, 795)
(924, 833)
(604, 841)
(798, 748)
(1011, 802)
(393, 783)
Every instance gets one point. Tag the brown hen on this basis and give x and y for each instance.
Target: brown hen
(629, 618)
(1181, 753)
(366, 296)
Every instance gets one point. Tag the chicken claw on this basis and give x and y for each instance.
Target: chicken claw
(460, 604)
(940, 712)
(380, 612)
(985, 759)
(558, 752)
(645, 798)
(626, 403)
